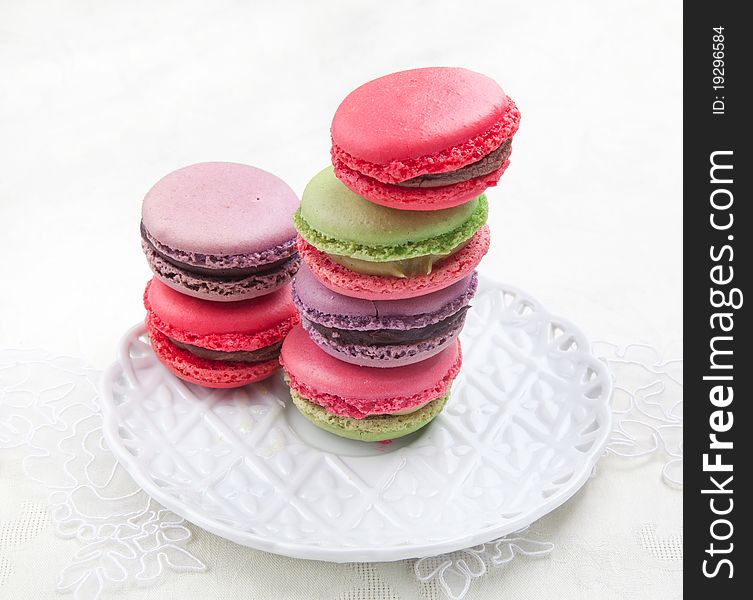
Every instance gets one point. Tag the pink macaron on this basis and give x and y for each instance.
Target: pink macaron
(218, 344)
(366, 403)
(424, 139)
(220, 231)
(354, 391)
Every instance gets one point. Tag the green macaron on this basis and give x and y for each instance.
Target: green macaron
(374, 428)
(372, 238)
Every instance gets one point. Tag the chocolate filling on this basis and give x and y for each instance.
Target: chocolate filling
(487, 164)
(238, 273)
(389, 337)
(251, 356)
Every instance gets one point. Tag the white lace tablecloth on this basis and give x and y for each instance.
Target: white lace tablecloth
(101, 99)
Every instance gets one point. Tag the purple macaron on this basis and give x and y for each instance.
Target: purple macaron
(220, 231)
(381, 333)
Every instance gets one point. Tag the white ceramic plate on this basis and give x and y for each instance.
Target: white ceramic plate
(528, 418)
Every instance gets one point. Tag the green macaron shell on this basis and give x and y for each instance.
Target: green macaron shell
(375, 428)
(336, 221)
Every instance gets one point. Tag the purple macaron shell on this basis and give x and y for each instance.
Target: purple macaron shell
(220, 289)
(321, 305)
(220, 209)
(387, 356)
(224, 261)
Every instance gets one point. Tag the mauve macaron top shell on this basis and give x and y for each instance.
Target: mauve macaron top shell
(418, 112)
(317, 297)
(220, 208)
(206, 317)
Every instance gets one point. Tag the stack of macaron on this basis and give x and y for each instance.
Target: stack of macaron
(390, 236)
(220, 241)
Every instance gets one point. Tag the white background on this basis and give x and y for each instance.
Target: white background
(101, 99)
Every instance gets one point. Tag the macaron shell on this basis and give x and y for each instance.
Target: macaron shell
(220, 208)
(228, 327)
(336, 213)
(224, 262)
(320, 304)
(336, 221)
(415, 199)
(219, 289)
(372, 287)
(376, 428)
(207, 373)
(354, 391)
(384, 356)
(419, 121)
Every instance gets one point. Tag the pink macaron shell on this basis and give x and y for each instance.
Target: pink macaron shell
(356, 391)
(419, 121)
(204, 372)
(418, 198)
(374, 287)
(220, 208)
(225, 326)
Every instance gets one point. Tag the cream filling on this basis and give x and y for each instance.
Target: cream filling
(409, 267)
(412, 409)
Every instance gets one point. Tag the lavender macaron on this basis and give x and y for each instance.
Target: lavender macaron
(220, 231)
(381, 333)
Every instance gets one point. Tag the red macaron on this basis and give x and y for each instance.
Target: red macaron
(366, 403)
(218, 344)
(355, 391)
(424, 139)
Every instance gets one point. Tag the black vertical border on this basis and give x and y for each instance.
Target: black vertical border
(705, 132)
